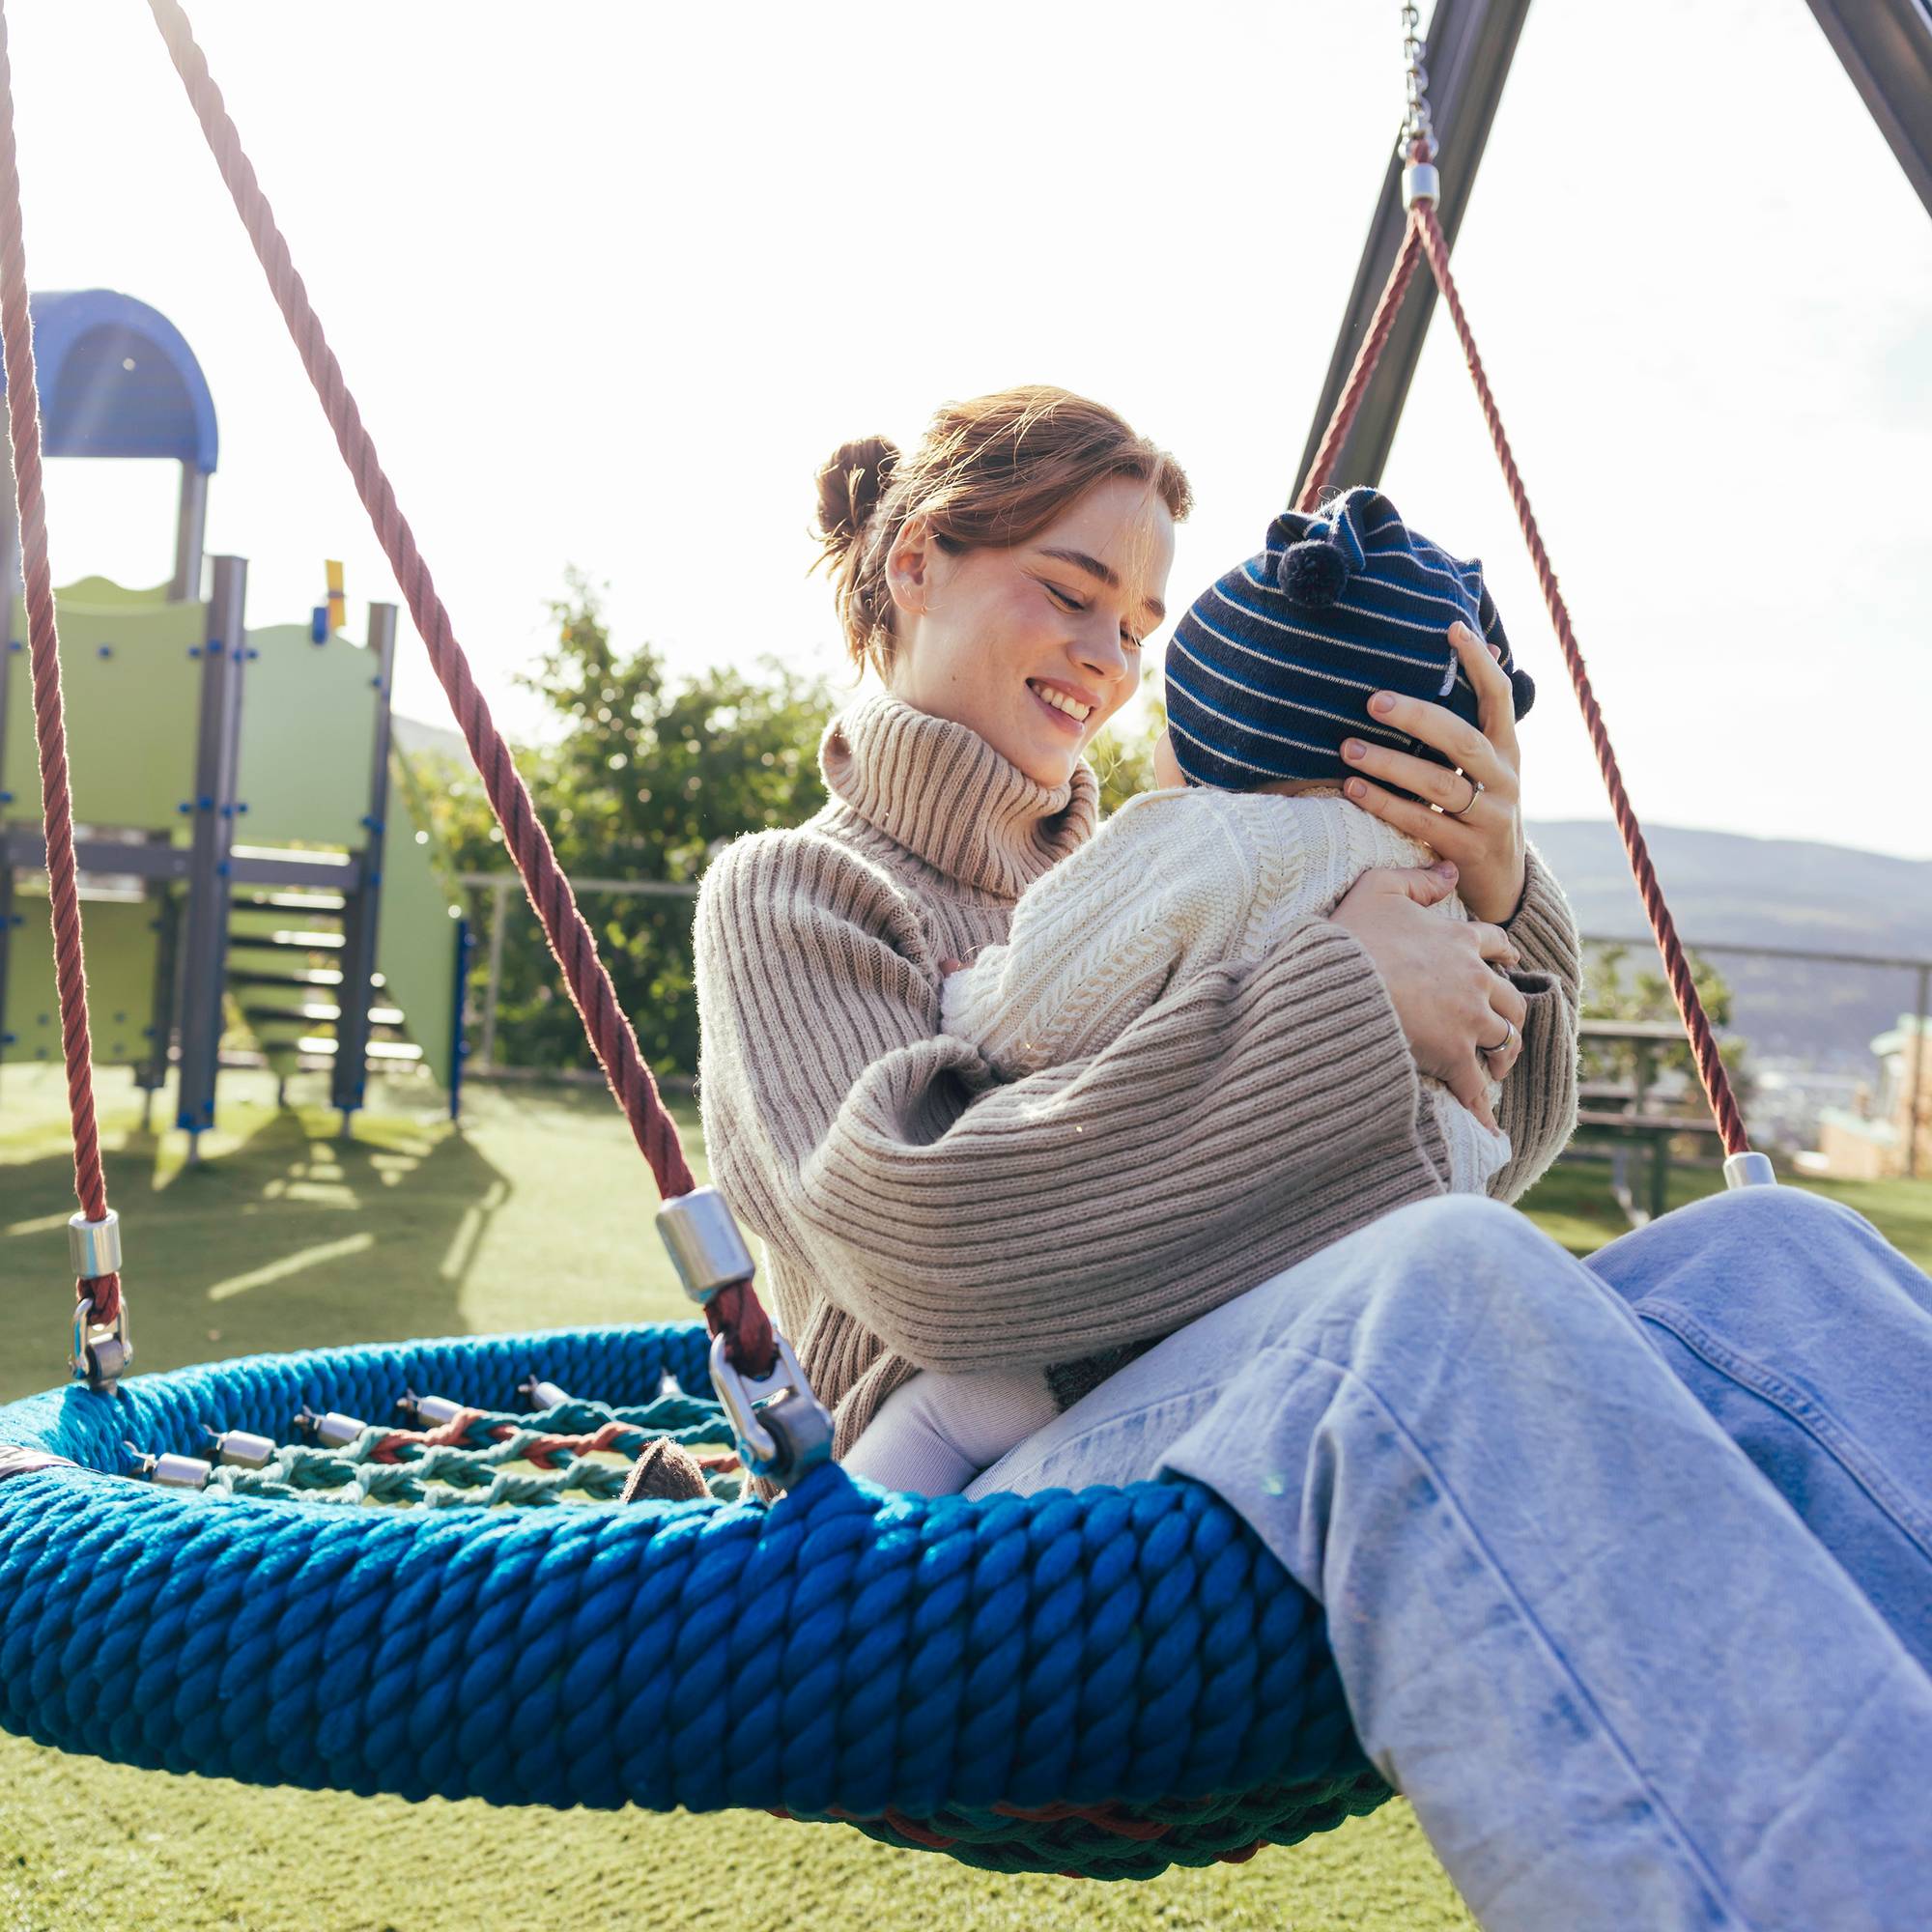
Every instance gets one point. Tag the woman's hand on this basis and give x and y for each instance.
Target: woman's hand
(1462, 1019)
(1480, 832)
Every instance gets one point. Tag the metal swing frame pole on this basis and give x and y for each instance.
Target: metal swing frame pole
(1886, 49)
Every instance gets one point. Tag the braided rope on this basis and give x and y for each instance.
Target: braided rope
(558, 1432)
(23, 423)
(1105, 1683)
(443, 1478)
(736, 1313)
(1711, 1068)
(1350, 401)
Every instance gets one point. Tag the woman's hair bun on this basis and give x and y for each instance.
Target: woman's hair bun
(850, 485)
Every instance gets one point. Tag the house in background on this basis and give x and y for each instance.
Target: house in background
(1871, 1141)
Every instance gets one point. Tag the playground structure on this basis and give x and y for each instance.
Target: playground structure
(250, 831)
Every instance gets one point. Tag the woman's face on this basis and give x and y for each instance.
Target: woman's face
(1035, 648)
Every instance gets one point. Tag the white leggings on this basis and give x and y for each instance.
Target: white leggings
(937, 1431)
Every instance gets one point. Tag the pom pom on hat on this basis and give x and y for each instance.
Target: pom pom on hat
(1524, 688)
(1311, 573)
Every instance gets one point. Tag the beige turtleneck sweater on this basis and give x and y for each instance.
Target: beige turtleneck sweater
(916, 1215)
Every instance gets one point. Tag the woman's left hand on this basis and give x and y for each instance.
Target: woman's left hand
(1482, 832)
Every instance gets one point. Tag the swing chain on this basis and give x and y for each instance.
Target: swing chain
(1416, 123)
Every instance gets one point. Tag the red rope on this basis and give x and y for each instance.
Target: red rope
(739, 1316)
(1711, 1068)
(1424, 238)
(1350, 401)
(23, 423)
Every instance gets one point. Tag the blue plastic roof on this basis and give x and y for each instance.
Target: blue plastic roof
(117, 378)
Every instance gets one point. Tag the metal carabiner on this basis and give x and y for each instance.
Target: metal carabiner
(101, 1353)
(782, 1429)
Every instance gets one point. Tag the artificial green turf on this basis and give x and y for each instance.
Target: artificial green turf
(535, 1213)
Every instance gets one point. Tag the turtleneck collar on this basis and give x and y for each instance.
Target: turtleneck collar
(941, 791)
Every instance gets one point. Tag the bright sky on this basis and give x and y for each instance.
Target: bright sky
(610, 281)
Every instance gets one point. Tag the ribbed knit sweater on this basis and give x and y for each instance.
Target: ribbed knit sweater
(918, 1215)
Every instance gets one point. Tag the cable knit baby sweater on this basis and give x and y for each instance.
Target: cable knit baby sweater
(917, 1213)
(1175, 881)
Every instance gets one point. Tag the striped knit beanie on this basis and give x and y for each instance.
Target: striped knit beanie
(1272, 669)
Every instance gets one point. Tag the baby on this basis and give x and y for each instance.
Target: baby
(1267, 674)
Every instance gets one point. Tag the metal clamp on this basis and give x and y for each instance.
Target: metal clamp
(429, 1411)
(94, 1246)
(1750, 1170)
(239, 1448)
(782, 1429)
(706, 1248)
(170, 1472)
(102, 1352)
(333, 1431)
(540, 1394)
(1420, 182)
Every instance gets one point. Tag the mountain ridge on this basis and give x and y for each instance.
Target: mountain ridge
(1732, 888)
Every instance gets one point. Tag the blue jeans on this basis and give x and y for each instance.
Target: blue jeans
(1626, 1564)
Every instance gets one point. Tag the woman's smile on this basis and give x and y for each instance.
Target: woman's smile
(1067, 707)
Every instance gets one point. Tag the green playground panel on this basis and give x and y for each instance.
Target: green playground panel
(308, 721)
(132, 690)
(130, 684)
(119, 946)
(415, 943)
(104, 590)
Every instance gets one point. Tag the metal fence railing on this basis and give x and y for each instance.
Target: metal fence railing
(1921, 1009)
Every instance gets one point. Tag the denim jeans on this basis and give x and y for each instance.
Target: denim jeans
(1626, 1564)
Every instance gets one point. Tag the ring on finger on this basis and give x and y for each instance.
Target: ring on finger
(1509, 1027)
(1476, 790)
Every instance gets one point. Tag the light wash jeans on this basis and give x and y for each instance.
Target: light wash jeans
(1626, 1564)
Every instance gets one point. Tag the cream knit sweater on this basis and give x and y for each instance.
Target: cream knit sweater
(918, 1215)
(1175, 881)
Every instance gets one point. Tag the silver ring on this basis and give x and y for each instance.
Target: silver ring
(1509, 1025)
(1476, 790)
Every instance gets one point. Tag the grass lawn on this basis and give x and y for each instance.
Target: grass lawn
(537, 1213)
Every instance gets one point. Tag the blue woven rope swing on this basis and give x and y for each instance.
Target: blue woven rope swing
(1129, 1661)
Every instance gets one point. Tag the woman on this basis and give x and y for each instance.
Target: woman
(1622, 1678)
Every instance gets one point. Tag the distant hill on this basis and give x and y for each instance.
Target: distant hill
(1767, 892)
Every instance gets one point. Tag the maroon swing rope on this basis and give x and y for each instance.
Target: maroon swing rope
(1422, 238)
(735, 1312)
(23, 424)
(1710, 1069)
(1350, 401)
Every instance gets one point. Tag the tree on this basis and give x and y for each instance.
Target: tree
(1614, 989)
(1122, 758)
(651, 773)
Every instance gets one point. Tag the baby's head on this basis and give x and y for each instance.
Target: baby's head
(1271, 669)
